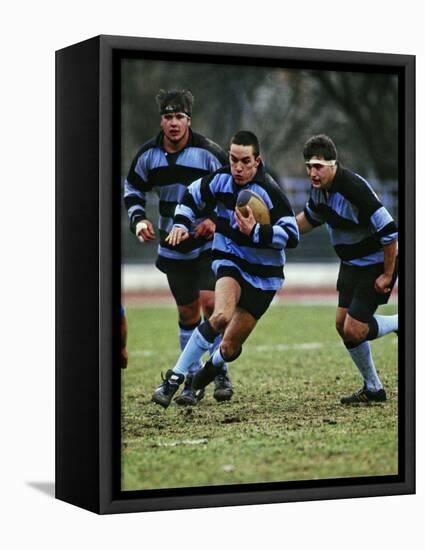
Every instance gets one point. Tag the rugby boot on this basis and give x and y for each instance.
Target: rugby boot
(223, 389)
(205, 375)
(365, 396)
(188, 395)
(165, 392)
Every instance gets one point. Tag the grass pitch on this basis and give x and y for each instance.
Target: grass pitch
(284, 422)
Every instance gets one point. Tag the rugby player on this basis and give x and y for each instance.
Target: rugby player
(167, 164)
(365, 239)
(248, 260)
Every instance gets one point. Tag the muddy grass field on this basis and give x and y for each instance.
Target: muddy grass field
(284, 423)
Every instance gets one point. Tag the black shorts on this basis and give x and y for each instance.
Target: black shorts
(186, 278)
(356, 290)
(253, 300)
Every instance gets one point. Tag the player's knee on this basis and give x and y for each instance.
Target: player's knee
(189, 314)
(230, 350)
(208, 305)
(339, 325)
(355, 333)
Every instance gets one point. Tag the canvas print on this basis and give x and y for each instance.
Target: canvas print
(259, 261)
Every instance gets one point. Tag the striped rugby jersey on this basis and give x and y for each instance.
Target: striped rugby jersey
(357, 222)
(259, 257)
(169, 174)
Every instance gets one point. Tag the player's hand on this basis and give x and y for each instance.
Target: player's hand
(145, 231)
(245, 224)
(382, 284)
(206, 229)
(177, 235)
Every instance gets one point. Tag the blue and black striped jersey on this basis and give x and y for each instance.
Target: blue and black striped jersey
(359, 225)
(259, 257)
(169, 174)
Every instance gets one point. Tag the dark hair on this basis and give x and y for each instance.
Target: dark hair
(320, 146)
(244, 137)
(175, 101)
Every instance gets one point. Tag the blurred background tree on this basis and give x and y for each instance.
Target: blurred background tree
(284, 107)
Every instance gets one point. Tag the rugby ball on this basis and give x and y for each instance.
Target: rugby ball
(255, 202)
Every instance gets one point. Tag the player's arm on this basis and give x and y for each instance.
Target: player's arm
(304, 226)
(135, 188)
(246, 225)
(205, 229)
(135, 202)
(371, 210)
(311, 216)
(187, 211)
(281, 233)
(284, 231)
(383, 282)
(207, 208)
(183, 219)
(144, 230)
(177, 235)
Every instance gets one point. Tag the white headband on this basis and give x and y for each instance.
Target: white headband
(175, 113)
(322, 162)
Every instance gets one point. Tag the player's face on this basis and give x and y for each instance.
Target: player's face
(243, 163)
(175, 127)
(321, 176)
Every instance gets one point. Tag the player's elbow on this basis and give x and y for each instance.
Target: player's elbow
(293, 242)
(293, 237)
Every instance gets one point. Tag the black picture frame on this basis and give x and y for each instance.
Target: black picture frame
(88, 278)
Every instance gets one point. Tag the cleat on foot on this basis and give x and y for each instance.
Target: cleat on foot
(223, 389)
(205, 375)
(188, 395)
(165, 392)
(365, 396)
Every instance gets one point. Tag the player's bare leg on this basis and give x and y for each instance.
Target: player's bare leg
(189, 314)
(341, 314)
(207, 303)
(354, 333)
(237, 325)
(202, 338)
(238, 330)
(223, 389)
(227, 294)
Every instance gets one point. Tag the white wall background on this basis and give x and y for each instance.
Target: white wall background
(30, 33)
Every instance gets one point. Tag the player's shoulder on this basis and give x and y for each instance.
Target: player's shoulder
(219, 180)
(270, 187)
(222, 173)
(198, 140)
(147, 146)
(352, 185)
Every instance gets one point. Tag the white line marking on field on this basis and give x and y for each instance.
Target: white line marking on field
(202, 441)
(270, 347)
(285, 347)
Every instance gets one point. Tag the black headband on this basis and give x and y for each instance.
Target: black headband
(175, 108)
